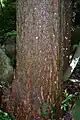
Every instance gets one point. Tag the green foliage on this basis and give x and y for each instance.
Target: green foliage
(67, 99)
(5, 116)
(7, 20)
(11, 33)
(2, 2)
(48, 110)
(52, 109)
(44, 109)
(8, 28)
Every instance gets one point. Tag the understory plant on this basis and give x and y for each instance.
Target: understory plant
(5, 116)
(51, 111)
(68, 97)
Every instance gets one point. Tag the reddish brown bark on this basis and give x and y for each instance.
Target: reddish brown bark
(39, 66)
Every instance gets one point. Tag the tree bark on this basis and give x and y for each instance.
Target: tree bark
(39, 68)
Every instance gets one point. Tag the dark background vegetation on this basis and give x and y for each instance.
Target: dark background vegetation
(8, 28)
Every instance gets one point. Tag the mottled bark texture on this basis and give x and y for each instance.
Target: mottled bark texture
(40, 56)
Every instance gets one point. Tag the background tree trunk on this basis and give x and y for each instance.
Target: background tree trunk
(40, 56)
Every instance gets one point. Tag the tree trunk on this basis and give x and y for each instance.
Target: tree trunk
(40, 58)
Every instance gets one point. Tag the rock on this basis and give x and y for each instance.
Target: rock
(10, 49)
(10, 52)
(6, 70)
